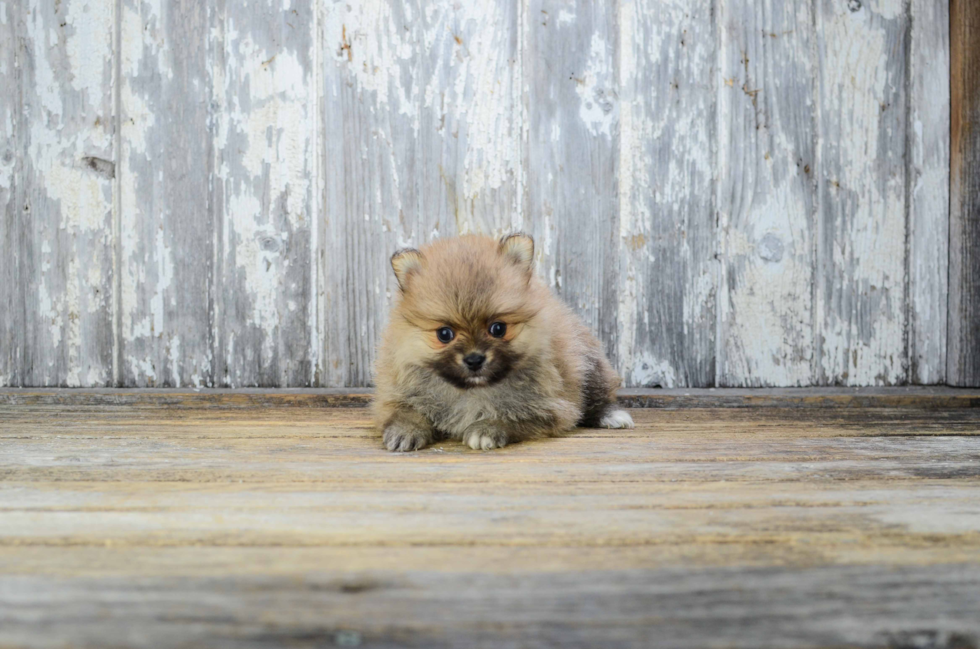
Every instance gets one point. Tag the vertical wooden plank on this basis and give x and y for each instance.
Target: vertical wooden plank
(165, 213)
(371, 103)
(570, 66)
(265, 105)
(963, 357)
(766, 195)
(14, 354)
(470, 125)
(928, 190)
(57, 174)
(861, 263)
(666, 300)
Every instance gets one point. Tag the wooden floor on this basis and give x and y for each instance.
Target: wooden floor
(151, 525)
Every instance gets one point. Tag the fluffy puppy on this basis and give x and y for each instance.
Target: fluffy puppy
(479, 350)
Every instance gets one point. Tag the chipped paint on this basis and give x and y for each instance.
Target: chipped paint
(265, 128)
(270, 157)
(163, 199)
(596, 88)
(860, 302)
(665, 308)
(470, 120)
(929, 191)
(58, 211)
(765, 195)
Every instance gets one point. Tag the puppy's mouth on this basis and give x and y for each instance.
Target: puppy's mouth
(476, 373)
(466, 379)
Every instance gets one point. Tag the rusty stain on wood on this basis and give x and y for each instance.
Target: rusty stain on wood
(963, 356)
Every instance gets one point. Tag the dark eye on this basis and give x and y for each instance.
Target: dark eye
(498, 329)
(445, 334)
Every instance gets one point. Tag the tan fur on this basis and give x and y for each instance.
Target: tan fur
(467, 283)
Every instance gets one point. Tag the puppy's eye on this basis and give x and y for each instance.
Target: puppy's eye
(498, 329)
(445, 334)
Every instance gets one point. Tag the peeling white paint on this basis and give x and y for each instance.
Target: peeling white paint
(648, 371)
(375, 43)
(929, 196)
(66, 93)
(430, 124)
(596, 88)
(470, 118)
(633, 172)
(265, 146)
(862, 330)
(765, 196)
(665, 172)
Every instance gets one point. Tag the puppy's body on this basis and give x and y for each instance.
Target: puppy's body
(519, 364)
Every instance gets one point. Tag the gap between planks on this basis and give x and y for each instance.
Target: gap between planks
(927, 398)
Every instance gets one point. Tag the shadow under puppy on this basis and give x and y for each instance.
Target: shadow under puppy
(479, 350)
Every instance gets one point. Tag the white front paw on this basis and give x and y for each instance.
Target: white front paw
(484, 440)
(616, 419)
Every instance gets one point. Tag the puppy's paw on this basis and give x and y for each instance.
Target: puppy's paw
(403, 437)
(616, 418)
(484, 438)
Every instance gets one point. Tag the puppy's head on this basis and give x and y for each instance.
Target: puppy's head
(467, 307)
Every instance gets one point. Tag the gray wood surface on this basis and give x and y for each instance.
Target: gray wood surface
(963, 357)
(909, 398)
(138, 525)
(470, 118)
(265, 155)
(371, 102)
(777, 608)
(731, 193)
(766, 193)
(667, 234)
(571, 75)
(57, 189)
(13, 281)
(928, 191)
(165, 238)
(861, 241)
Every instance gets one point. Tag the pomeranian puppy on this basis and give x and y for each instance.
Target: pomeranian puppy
(479, 350)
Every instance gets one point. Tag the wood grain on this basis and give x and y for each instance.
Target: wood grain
(263, 526)
(371, 102)
(264, 186)
(667, 238)
(13, 273)
(166, 215)
(766, 193)
(470, 124)
(571, 72)
(730, 192)
(57, 177)
(906, 398)
(861, 260)
(963, 355)
(928, 190)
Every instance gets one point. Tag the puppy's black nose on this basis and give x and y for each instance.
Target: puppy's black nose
(474, 361)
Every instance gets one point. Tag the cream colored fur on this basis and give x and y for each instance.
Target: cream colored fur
(466, 283)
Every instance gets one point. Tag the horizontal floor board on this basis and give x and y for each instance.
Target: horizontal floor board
(929, 397)
(760, 607)
(146, 526)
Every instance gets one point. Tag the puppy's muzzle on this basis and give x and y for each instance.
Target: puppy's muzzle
(474, 361)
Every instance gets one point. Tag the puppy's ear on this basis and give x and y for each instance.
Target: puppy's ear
(518, 248)
(405, 262)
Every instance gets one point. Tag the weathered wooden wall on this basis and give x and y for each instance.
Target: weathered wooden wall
(964, 255)
(730, 192)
